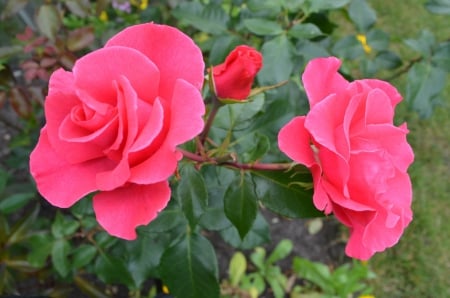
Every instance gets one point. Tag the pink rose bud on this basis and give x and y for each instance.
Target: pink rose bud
(113, 124)
(357, 156)
(234, 78)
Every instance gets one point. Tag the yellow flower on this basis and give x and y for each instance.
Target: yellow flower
(366, 296)
(363, 40)
(141, 4)
(103, 16)
(165, 289)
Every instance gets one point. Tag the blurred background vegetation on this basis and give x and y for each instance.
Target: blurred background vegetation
(405, 42)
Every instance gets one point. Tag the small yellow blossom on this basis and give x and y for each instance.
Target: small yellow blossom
(366, 296)
(141, 4)
(363, 40)
(103, 16)
(165, 289)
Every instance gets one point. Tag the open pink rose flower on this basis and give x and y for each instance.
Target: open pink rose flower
(357, 157)
(113, 124)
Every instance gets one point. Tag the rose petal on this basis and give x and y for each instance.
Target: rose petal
(95, 72)
(378, 108)
(391, 92)
(160, 166)
(61, 183)
(120, 211)
(295, 141)
(165, 46)
(321, 78)
(187, 110)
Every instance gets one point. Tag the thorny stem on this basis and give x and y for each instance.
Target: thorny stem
(237, 165)
(215, 108)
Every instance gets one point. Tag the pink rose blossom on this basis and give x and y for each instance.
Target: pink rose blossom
(113, 124)
(357, 157)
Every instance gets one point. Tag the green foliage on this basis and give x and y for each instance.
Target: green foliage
(223, 194)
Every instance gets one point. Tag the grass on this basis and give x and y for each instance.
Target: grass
(419, 266)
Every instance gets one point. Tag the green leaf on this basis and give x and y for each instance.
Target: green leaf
(387, 60)
(317, 273)
(348, 48)
(258, 234)
(424, 85)
(83, 255)
(240, 204)
(318, 5)
(282, 193)
(166, 221)
(265, 7)
(423, 44)
(262, 26)
(15, 202)
(64, 226)
(40, 247)
(3, 180)
(281, 251)
(48, 21)
(441, 56)
(189, 268)
(210, 18)
(238, 265)
(362, 15)
(111, 269)
(214, 219)
(378, 40)
(438, 6)
(278, 58)
(221, 47)
(192, 194)
(145, 255)
(59, 254)
(254, 147)
(304, 31)
(21, 230)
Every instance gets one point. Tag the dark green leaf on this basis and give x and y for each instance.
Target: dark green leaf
(240, 204)
(282, 193)
(3, 179)
(15, 202)
(40, 247)
(189, 268)
(82, 208)
(387, 60)
(83, 255)
(60, 252)
(265, 7)
(278, 65)
(441, 56)
(192, 194)
(166, 221)
(214, 219)
(145, 254)
(263, 26)
(425, 83)
(362, 15)
(438, 6)
(258, 235)
(64, 226)
(304, 31)
(255, 147)
(111, 269)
